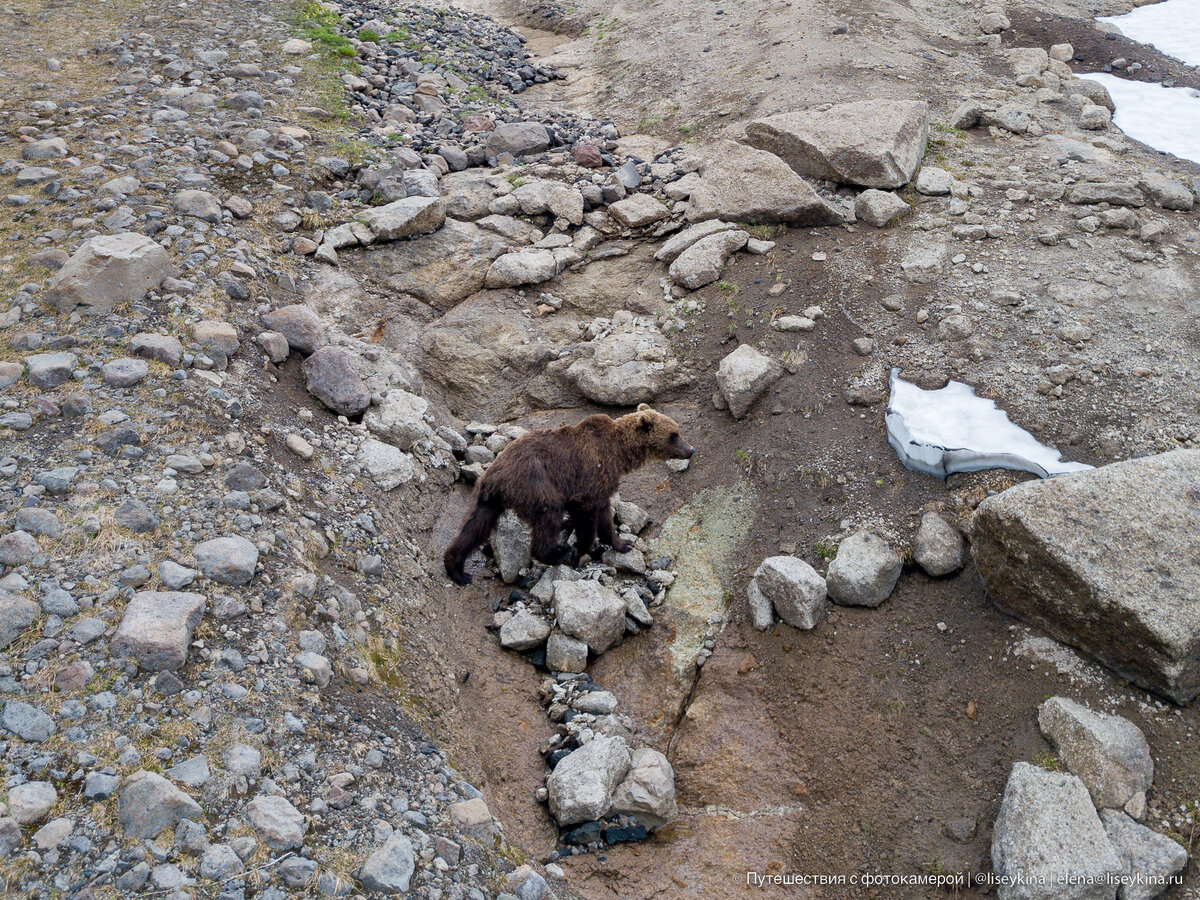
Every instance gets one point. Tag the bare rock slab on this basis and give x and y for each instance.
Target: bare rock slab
(156, 628)
(1108, 753)
(703, 262)
(1048, 831)
(741, 184)
(870, 143)
(1104, 560)
(107, 270)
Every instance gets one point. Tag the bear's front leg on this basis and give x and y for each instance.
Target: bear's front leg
(608, 530)
(545, 547)
(583, 522)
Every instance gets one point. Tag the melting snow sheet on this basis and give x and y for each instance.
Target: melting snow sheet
(1164, 118)
(1172, 27)
(952, 430)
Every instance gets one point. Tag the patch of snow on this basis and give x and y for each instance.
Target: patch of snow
(1166, 119)
(952, 430)
(1172, 27)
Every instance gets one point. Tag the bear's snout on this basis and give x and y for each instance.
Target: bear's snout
(683, 450)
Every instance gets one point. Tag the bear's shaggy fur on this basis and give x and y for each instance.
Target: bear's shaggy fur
(571, 471)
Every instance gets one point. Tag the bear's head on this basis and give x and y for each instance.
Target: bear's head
(659, 434)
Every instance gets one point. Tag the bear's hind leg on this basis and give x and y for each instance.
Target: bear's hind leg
(608, 530)
(476, 528)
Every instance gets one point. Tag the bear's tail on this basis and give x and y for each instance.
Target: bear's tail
(476, 528)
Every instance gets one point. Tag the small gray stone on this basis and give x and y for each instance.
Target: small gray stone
(227, 560)
(331, 378)
(277, 823)
(389, 869)
(565, 653)
(591, 612)
(156, 628)
(31, 802)
(16, 549)
(524, 631)
(125, 372)
(510, 541)
(793, 588)
(864, 572)
(939, 546)
(147, 803)
(49, 370)
(743, 376)
(27, 722)
(582, 785)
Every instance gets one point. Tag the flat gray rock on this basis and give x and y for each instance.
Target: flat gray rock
(147, 803)
(107, 270)
(227, 560)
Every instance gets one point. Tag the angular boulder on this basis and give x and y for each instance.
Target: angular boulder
(227, 560)
(1108, 753)
(792, 588)
(107, 270)
(582, 785)
(1104, 560)
(864, 572)
(388, 465)
(869, 143)
(626, 368)
(743, 376)
(389, 869)
(529, 266)
(591, 612)
(1146, 855)
(405, 218)
(277, 823)
(703, 262)
(147, 803)
(938, 546)
(330, 376)
(300, 325)
(1047, 831)
(648, 791)
(741, 184)
(156, 628)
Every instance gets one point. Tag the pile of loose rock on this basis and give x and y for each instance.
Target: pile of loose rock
(602, 788)
(1083, 826)
(863, 572)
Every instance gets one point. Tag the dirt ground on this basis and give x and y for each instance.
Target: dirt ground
(879, 743)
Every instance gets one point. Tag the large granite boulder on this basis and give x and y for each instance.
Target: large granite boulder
(870, 143)
(1105, 560)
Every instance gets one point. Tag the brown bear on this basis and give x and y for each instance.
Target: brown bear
(572, 472)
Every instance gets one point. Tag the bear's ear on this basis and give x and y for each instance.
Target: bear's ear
(645, 422)
(642, 407)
